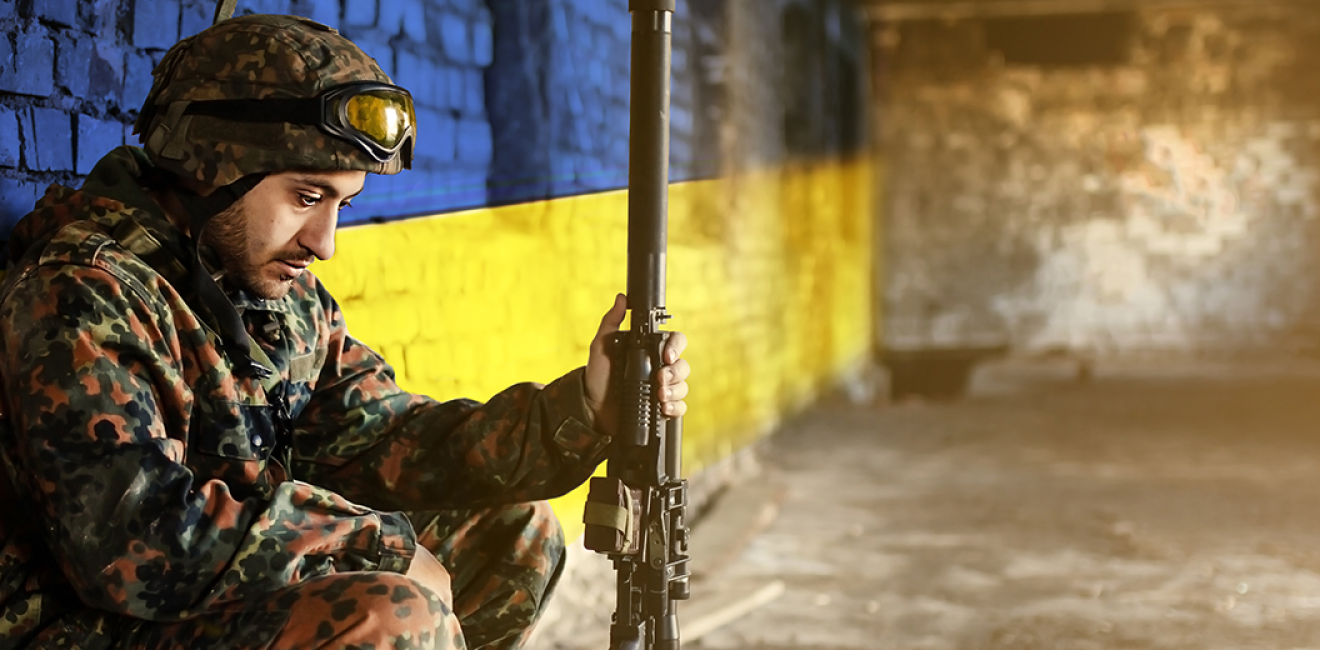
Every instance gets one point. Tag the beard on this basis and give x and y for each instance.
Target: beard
(227, 235)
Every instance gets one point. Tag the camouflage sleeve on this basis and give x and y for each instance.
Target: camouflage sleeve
(91, 375)
(367, 439)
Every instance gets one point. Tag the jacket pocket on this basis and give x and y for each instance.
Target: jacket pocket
(233, 430)
(231, 442)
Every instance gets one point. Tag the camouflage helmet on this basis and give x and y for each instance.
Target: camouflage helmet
(259, 61)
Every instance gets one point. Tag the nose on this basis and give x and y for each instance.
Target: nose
(318, 232)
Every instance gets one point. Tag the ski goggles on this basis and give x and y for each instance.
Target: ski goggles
(377, 117)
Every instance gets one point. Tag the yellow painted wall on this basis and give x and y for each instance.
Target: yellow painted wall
(770, 277)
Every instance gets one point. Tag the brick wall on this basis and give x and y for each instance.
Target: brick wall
(65, 70)
(769, 264)
(1165, 201)
(561, 73)
(559, 69)
(438, 50)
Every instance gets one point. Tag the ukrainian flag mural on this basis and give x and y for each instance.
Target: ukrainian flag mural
(771, 255)
(493, 259)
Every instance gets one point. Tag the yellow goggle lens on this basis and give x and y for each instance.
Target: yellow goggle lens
(384, 117)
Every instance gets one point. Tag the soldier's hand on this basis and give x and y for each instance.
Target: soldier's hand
(671, 378)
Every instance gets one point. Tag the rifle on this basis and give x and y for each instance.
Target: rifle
(634, 514)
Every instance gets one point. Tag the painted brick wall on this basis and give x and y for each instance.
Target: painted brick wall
(561, 73)
(438, 50)
(69, 72)
(769, 264)
(73, 74)
(559, 69)
(511, 91)
(1166, 202)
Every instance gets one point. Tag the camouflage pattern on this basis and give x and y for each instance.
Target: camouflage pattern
(502, 584)
(253, 57)
(151, 491)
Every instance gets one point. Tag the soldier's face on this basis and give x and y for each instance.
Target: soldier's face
(278, 229)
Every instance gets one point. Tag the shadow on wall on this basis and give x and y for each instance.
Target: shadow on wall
(941, 374)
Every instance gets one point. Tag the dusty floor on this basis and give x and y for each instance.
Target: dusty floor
(1157, 506)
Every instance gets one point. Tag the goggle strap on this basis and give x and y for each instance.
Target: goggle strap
(305, 112)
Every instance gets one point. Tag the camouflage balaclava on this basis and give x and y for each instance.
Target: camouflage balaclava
(252, 58)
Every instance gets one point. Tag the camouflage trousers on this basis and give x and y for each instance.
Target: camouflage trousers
(503, 564)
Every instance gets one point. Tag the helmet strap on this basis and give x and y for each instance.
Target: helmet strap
(209, 296)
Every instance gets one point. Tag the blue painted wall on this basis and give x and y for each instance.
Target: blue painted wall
(517, 100)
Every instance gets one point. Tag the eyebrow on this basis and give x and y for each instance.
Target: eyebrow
(328, 190)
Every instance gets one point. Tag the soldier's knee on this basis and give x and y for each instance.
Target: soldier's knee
(543, 526)
(542, 519)
(400, 606)
(542, 536)
(374, 609)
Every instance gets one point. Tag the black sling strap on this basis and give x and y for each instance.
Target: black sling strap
(208, 295)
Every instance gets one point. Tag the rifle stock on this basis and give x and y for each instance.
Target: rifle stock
(635, 514)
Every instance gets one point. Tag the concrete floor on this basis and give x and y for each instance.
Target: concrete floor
(1155, 506)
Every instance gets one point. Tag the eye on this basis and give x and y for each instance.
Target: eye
(309, 200)
(345, 204)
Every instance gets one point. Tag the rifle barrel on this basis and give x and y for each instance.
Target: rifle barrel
(649, 545)
(648, 157)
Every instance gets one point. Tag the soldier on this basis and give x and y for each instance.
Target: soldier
(199, 454)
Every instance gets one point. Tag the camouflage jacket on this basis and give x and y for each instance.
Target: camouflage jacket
(147, 480)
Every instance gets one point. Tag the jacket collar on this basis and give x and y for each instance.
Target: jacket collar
(116, 196)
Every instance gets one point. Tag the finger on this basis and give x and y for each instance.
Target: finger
(675, 346)
(677, 372)
(613, 319)
(674, 409)
(674, 392)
